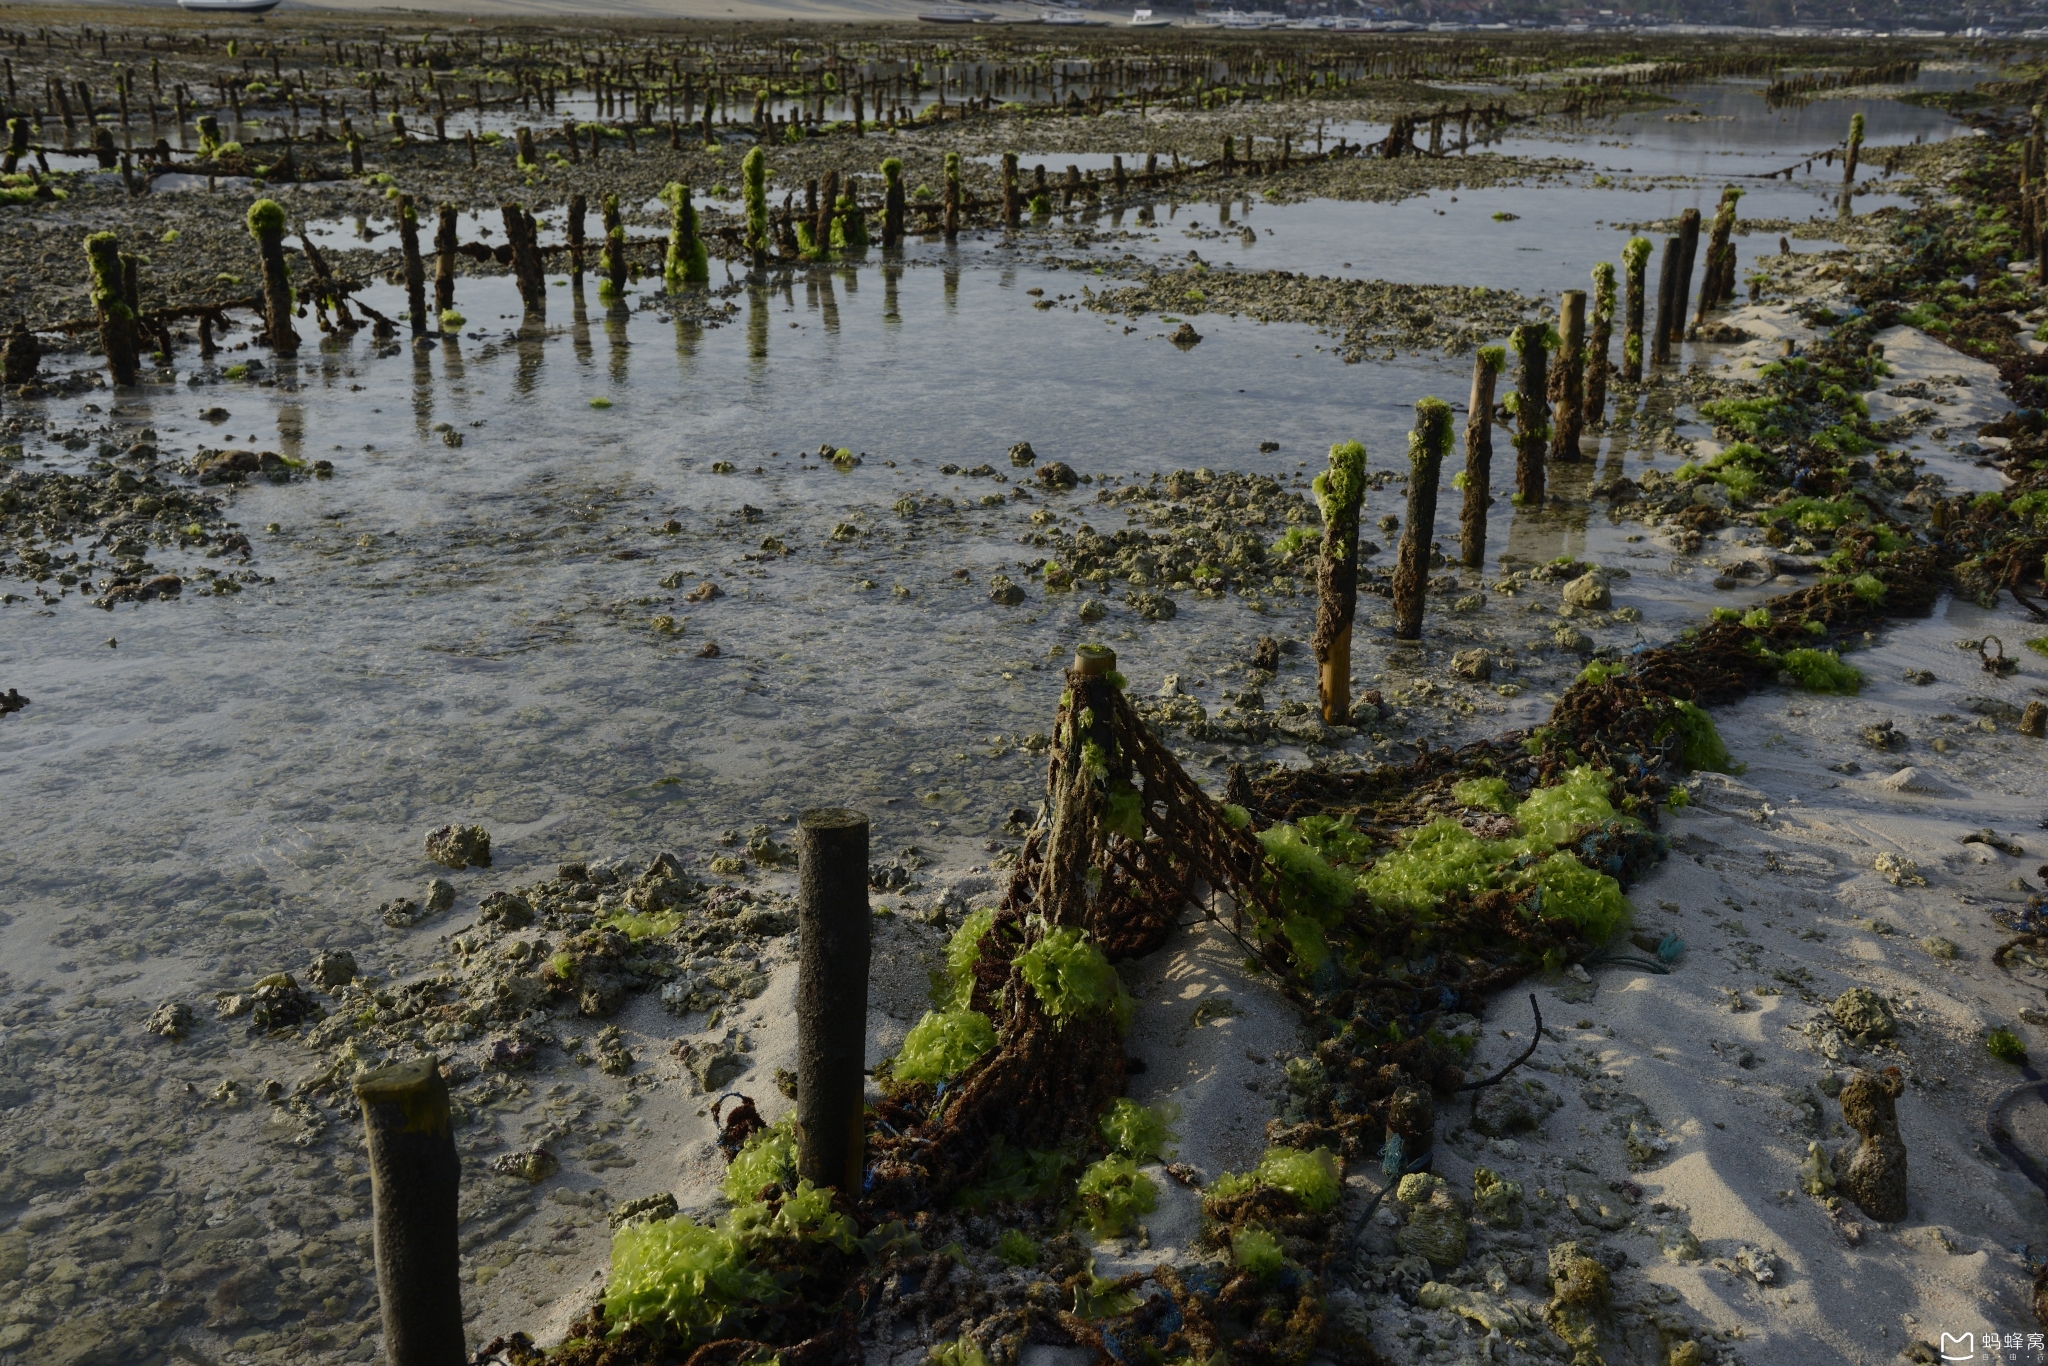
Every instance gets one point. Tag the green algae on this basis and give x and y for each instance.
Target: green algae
(942, 1045)
(1340, 489)
(1490, 794)
(1113, 1193)
(1571, 891)
(1310, 1177)
(1071, 978)
(1699, 743)
(768, 1158)
(1142, 1132)
(1821, 671)
(953, 986)
(1256, 1251)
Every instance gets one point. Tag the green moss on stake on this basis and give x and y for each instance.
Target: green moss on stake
(266, 216)
(754, 192)
(687, 262)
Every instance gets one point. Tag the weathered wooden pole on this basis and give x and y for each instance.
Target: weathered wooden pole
(1635, 259)
(952, 200)
(1855, 150)
(1688, 254)
(892, 203)
(266, 225)
(17, 145)
(446, 240)
(1478, 475)
(1598, 346)
(1531, 343)
(415, 267)
(1667, 294)
(1567, 410)
(821, 221)
(526, 266)
(1718, 280)
(611, 263)
(1340, 493)
(754, 190)
(1428, 444)
(415, 1182)
(579, 210)
(687, 262)
(1013, 203)
(117, 319)
(831, 995)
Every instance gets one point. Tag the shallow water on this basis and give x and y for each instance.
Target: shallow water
(208, 789)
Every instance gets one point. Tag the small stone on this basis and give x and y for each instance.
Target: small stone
(460, 846)
(1476, 665)
(440, 895)
(509, 910)
(532, 1166)
(2034, 723)
(1576, 1279)
(510, 1054)
(1900, 872)
(1864, 1015)
(1884, 735)
(1938, 947)
(1436, 1225)
(332, 968)
(1153, 606)
(1760, 1263)
(1021, 454)
(1816, 1173)
(1495, 1199)
(1915, 781)
(1185, 336)
(1589, 592)
(1004, 591)
(172, 1020)
(648, 1209)
(1679, 1244)
(1057, 474)
(1919, 678)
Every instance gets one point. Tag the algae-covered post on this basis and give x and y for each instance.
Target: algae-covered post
(1568, 405)
(687, 263)
(831, 995)
(1688, 255)
(1013, 203)
(1428, 444)
(821, 220)
(1531, 342)
(1667, 293)
(1340, 493)
(415, 267)
(754, 189)
(17, 145)
(1599, 344)
(611, 262)
(266, 225)
(1635, 259)
(952, 201)
(892, 203)
(527, 271)
(415, 1182)
(1478, 476)
(446, 239)
(117, 320)
(1855, 149)
(1717, 284)
(579, 210)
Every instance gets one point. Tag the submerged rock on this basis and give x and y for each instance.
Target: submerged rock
(332, 968)
(1021, 454)
(1185, 337)
(1436, 1223)
(1589, 592)
(460, 846)
(1057, 474)
(534, 1166)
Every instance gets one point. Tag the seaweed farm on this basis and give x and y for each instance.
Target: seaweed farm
(1418, 663)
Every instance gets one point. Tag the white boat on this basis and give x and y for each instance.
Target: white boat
(1231, 18)
(1145, 18)
(954, 14)
(228, 6)
(1067, 18)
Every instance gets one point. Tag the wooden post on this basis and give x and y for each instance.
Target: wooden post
(1427, 446)
(892, 203)
(117, 320)
(952, 201)
(821, 222)
(1634, 260)
(1567, 412)
(1598, 345)
(1340, 493)
(415, 268)
(1013, 204)
(446, 241)
(526, 266)
(1718, 282)
(754, 187)
(1530, 341)
(831, 995)
(1855, 151)
(579, 209)
(613, 260)
(266, 225)
(1667, 294)
(415, 1181)
(1479, 457)
(1688, 253)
